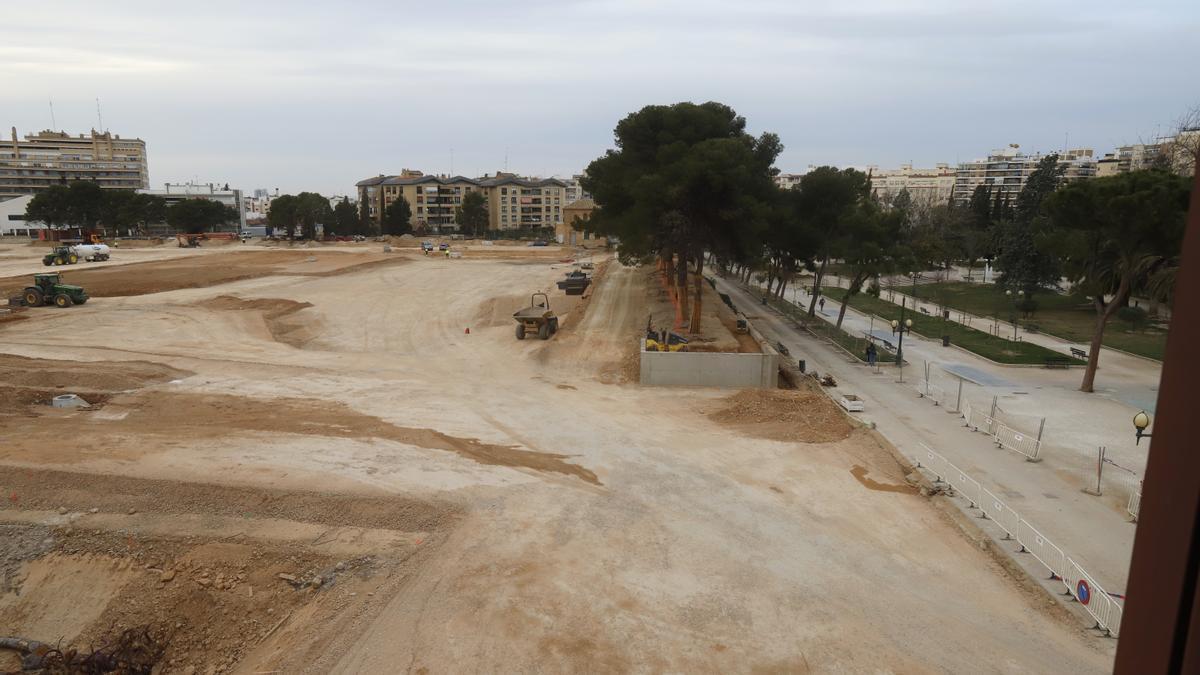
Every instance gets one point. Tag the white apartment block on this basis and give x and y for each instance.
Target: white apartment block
(1006, 171)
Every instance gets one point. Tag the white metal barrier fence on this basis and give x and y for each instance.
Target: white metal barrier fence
(926, 389)
(1102, 606)
(1002, 435)
(1135, 501)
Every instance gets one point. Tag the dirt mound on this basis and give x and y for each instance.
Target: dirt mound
(801, 416)
(498, 311)
(217, 595)
(276, 312)
(25, 382)
(201, 271)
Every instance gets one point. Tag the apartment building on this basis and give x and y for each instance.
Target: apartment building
(926, 187)
(1006, 171)
(513, 202)
(787, 181)
(53, 158)
(516, 203)
(574, 191)
(1174, 152)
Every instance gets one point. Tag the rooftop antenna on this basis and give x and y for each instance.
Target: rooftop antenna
(451, 161)
(99, 119)
(53, 122)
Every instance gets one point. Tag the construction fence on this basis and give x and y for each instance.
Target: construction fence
(1103, 606)
(1003, 435)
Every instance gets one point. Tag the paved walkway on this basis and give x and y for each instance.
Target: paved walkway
(1130, 379)
(1076, 423)
(1093, 530)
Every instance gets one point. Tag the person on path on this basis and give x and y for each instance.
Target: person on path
(821, 302)
(872, 354)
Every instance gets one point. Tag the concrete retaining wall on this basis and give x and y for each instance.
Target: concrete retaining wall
(709, 369)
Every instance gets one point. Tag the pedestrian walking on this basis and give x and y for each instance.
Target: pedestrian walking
(821, 302)
(872, 354)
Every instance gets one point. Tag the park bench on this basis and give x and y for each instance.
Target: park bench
(1057, 362)
(1078, 353)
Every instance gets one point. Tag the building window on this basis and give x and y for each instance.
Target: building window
(504, 191)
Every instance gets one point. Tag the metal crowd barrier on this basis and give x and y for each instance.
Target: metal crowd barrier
(1010, 438)
(1135, 501)
(1101, 605)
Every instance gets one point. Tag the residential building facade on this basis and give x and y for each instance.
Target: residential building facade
(925, 187)
(1005, 171)
(574, 191)
(50, 158)
(787, 181)
(513, 202)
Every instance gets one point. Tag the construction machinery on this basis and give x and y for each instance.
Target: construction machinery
(61, 255)
(48, 288)
(665, 342)
(536, 318)
(575, 283)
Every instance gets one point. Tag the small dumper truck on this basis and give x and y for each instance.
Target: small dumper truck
(536, 318)
(575, 283)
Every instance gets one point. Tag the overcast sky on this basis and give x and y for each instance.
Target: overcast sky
(262, 94)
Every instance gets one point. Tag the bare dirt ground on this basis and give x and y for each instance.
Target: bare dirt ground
(354, 466)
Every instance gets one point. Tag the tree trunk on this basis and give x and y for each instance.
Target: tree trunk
(1103, 314)
(842, 311)
(696, 304)
(682, 284)
(816, 289)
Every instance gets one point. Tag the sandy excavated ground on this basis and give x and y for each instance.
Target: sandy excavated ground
(312, 466)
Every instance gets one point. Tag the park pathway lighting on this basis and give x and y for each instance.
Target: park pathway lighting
(1013, 313)
(1140, 422)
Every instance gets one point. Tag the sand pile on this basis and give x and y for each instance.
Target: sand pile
(783, 415)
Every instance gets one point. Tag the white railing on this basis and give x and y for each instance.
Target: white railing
(1102, 606)
(1135, 501)
(1007, 437)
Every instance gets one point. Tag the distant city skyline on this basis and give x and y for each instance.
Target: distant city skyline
(316, 98)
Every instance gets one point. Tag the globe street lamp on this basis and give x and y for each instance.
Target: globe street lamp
(1140, 422)
(1012, 314)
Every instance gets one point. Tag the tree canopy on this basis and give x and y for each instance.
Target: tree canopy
(197, 214)
(397, 217)
(1106, 231)
(472, 216)
(86, 205)
(683, 180)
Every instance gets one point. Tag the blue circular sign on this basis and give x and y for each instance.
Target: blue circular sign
(1083, 592)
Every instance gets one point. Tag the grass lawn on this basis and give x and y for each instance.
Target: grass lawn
(855, 345)
(986, 345)
(1067, 317)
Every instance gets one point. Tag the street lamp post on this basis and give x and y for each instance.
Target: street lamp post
(901, 326)
(1012, 313)
(1140, 422)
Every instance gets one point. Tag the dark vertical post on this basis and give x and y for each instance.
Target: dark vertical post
(1160, 632)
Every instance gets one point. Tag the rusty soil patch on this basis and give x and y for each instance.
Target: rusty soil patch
(207, 270)
(219, 599)
(177, 415)
(860, 474)
(798, 416)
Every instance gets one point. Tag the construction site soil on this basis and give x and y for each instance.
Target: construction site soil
(334, 459)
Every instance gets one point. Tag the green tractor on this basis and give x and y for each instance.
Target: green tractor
(48, 288)
(61, 255)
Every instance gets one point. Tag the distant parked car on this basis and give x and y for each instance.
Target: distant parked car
(539, 242)
(426, 246)
(443, 246)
